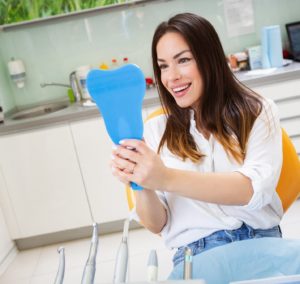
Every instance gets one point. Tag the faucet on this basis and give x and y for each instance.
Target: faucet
(74, 85)
(43, 85)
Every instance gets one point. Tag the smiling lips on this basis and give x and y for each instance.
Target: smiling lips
(181, 90)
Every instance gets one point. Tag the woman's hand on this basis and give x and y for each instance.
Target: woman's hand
(134, 161)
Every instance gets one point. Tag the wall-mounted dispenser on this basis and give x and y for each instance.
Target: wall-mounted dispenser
(17, 72)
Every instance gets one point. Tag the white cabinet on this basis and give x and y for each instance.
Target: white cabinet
(44, 189)
(106, 194)
(287, 97)
(94, 147)
(6, 244)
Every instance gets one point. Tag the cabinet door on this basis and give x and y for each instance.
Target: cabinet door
(279, 91)
(94, 147)
(6, 244)
(43, 180)
(287, 97)
(7, 210)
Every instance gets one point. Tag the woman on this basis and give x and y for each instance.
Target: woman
(209, 166)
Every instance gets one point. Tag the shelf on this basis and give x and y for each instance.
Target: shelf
(64, 17)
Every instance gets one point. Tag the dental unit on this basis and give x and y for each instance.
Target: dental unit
(90, 266)
(61, 268)
(188, 262)
(121, 263)
(152, 267)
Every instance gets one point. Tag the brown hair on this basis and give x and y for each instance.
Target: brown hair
(227, 110)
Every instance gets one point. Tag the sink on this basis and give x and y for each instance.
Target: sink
(39, 110)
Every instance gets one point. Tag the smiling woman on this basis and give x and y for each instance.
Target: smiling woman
(214, 153)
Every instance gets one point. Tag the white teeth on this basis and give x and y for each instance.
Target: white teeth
(180, 88)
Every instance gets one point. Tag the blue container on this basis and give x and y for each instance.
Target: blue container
(271, 47)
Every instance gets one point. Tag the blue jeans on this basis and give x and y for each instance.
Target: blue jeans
(223, 237)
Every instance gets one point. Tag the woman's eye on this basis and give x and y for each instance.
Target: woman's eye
(162, 66)
(184, 60)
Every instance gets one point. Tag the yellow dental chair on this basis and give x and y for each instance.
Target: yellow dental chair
(288, 187)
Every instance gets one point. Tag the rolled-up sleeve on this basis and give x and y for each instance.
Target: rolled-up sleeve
(263, 159)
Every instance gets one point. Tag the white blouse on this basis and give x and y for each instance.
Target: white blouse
(189, 219)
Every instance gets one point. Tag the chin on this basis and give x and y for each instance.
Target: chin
(184, 104)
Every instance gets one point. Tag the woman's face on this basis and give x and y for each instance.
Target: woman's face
(179, 71)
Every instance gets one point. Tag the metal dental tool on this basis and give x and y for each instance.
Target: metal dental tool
(152, 267)
(188, 261)
(90, 266)
(121, 264)
(59, 279)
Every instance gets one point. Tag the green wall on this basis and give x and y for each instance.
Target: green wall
(51, 50)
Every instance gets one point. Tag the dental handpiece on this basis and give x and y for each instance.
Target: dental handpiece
(90, 266)
(121, 264)
(152, 267)
(61, 268)
(188, 262)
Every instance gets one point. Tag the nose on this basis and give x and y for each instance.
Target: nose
(173, 73)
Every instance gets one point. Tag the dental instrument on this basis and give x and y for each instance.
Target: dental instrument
(61, 268)
(152, 267)
(121, 264)
(188, 261)
(90, 266)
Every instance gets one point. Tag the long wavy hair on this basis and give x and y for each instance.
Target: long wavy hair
(227, 110)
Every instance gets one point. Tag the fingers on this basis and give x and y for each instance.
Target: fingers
(138, 145)
(133, 161)
(127, 154)
(124, 160)
(120, 175)
(123, 164)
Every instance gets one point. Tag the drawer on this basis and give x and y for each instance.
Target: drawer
(289, 108)
(282, 90)
(291, 126)
(296, 142)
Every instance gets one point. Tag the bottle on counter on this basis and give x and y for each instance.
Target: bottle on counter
(149, 82)
(114, 63)
(103, 66)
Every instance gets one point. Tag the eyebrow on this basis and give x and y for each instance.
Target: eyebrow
(175, 56)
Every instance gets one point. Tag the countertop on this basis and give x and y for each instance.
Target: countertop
(74, 112)
(77, 112)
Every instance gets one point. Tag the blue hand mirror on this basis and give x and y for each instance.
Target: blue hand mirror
(119, 94)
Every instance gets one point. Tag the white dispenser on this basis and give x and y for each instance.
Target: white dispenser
(17, 72)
